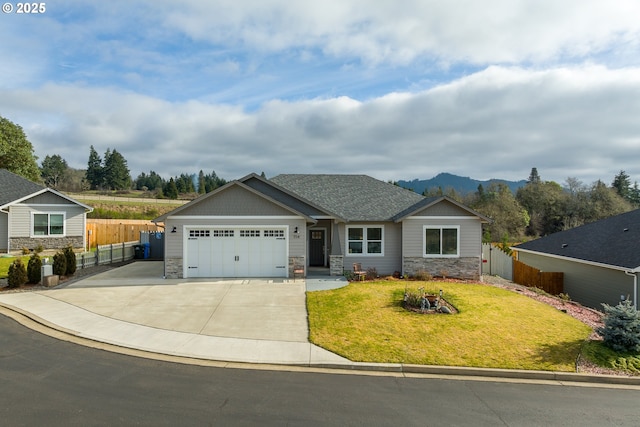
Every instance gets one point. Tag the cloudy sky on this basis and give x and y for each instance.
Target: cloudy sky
(397, 89)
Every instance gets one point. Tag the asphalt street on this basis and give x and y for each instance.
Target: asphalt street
(50, 382)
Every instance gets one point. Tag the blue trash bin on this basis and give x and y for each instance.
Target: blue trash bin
(147, 249)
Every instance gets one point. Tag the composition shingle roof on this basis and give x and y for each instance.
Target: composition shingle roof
(14, 187)
(612, 241)
(352, 197)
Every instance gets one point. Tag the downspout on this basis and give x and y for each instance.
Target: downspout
(8, 230)
(634, 274)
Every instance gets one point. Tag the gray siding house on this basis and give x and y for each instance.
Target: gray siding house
(32, 215)
(258, 227)
(600, 260)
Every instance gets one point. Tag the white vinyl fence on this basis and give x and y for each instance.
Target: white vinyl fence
(496, 262)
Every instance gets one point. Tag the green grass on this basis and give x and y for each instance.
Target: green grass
(6, 261)
(494, 328)
(601, 355)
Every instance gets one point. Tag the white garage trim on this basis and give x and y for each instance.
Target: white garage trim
(236, 250)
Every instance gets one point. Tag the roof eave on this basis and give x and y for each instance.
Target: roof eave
(578, 260)
(45, 190)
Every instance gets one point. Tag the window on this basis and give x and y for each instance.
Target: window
(365, 240)
(273, 233)
(199, 233)
(441, 241)
(48, 224)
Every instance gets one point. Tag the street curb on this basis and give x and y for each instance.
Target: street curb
(398, 368)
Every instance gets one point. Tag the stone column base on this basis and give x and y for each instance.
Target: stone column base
(336, 265)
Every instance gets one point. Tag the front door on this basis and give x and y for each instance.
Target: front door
(316, 248)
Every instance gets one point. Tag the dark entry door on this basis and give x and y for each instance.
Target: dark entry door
(316, 248)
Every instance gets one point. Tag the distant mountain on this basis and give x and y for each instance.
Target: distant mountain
(461, 184)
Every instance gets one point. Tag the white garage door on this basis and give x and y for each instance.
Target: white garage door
(237, 252)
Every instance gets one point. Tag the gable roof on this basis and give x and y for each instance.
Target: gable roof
(430, 201)
(15, 189)
(225, 187)
(613, 241)
(350, 197)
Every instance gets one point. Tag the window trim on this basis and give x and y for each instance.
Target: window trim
(364, 241)
(440, 227)
(48, 235)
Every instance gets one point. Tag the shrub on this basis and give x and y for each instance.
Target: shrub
(621, 331)
(71, 260)
(17, 275)
(34, 269)
(422, 275)
(371, 273)
(26, 251)
(59, 264)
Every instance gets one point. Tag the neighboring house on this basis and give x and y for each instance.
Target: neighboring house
(255, 227)
(32, 215)
(600, 260)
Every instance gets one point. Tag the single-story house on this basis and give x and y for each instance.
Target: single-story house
(600, 260)
(32, 215)
(258, 227)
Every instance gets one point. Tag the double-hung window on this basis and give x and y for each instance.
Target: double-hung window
(48, 224)
(441, 241)
(365, 240)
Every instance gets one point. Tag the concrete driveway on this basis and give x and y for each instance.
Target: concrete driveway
(262, 309)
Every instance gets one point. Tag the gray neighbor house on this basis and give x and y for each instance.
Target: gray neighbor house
(600, 260)
(258, 227)
(32, 215)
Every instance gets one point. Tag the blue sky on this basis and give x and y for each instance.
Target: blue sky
(393, 89)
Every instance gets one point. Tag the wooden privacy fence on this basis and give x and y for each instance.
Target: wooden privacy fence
(550, 282)
(108, 231)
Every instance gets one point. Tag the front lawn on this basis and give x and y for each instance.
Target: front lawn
(494, 328)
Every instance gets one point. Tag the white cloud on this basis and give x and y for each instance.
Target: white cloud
(500, 122)
(503, 31)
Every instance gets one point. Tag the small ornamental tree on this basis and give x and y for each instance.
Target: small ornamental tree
(17, 274)
(621, 331)
(60, 264)
(34, 269)
(71, 260)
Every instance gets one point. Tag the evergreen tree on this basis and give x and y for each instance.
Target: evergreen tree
(202, 184)
(170, 190)
(150, 182)
(534, 178)
(622, 184)
(635, 195)
(16, 152)
(94, 173)
(116, 172)
(53, 171)
(621, 331)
